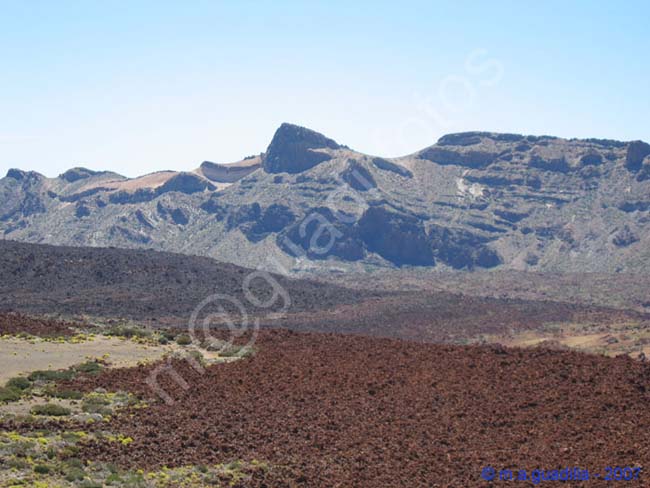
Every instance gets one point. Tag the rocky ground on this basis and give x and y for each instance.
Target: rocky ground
(145, 285)
(332, 410)
(164, 289)
(17, 323)
(303, 407)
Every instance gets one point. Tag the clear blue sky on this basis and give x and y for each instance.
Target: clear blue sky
(138, 86)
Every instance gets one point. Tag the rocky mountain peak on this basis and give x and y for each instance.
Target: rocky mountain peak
(76, 174)
(294, 149)
(472, 200)
(20, 175)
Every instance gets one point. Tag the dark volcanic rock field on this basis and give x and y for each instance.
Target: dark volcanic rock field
(138, 284)
(165, 289)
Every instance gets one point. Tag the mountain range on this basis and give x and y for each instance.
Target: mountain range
(309, 204)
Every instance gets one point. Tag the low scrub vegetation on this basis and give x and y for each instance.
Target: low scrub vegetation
(9, 394)
(183, 340)
(127, 330)
(19, 383)
(51, 375)
(50, 409)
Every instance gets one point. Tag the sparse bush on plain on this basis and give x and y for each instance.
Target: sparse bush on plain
(42, 469)
(74, 462)
(236, 351)
(9, 394)
(50, 409)
(73, 474)
(16, 461)
(89, 367)
(183, 340)
(127, 330)
(90, 484)
(66, 394)
(168, 334)
(18, 383)
(96, 404)
(51, 375)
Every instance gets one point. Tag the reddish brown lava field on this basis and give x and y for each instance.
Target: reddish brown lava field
(346, 411)
(16, 323)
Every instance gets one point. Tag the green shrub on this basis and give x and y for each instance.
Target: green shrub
(89, 367)
(74, 474)
(49, 375)
(183, 340)
(74, 462)
(113, 478)
(19, 383)
(168, 334)
(236, 351)
(50, 409)
(127, 331)
(90, 484)
(18, 462)
(9, 394)
(42, 469)
(96, 404)
(66, 394)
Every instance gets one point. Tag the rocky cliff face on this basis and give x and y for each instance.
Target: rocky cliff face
(295, 149)
(472, 200)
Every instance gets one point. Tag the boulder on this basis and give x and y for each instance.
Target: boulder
(625, 237)
(636, 153)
